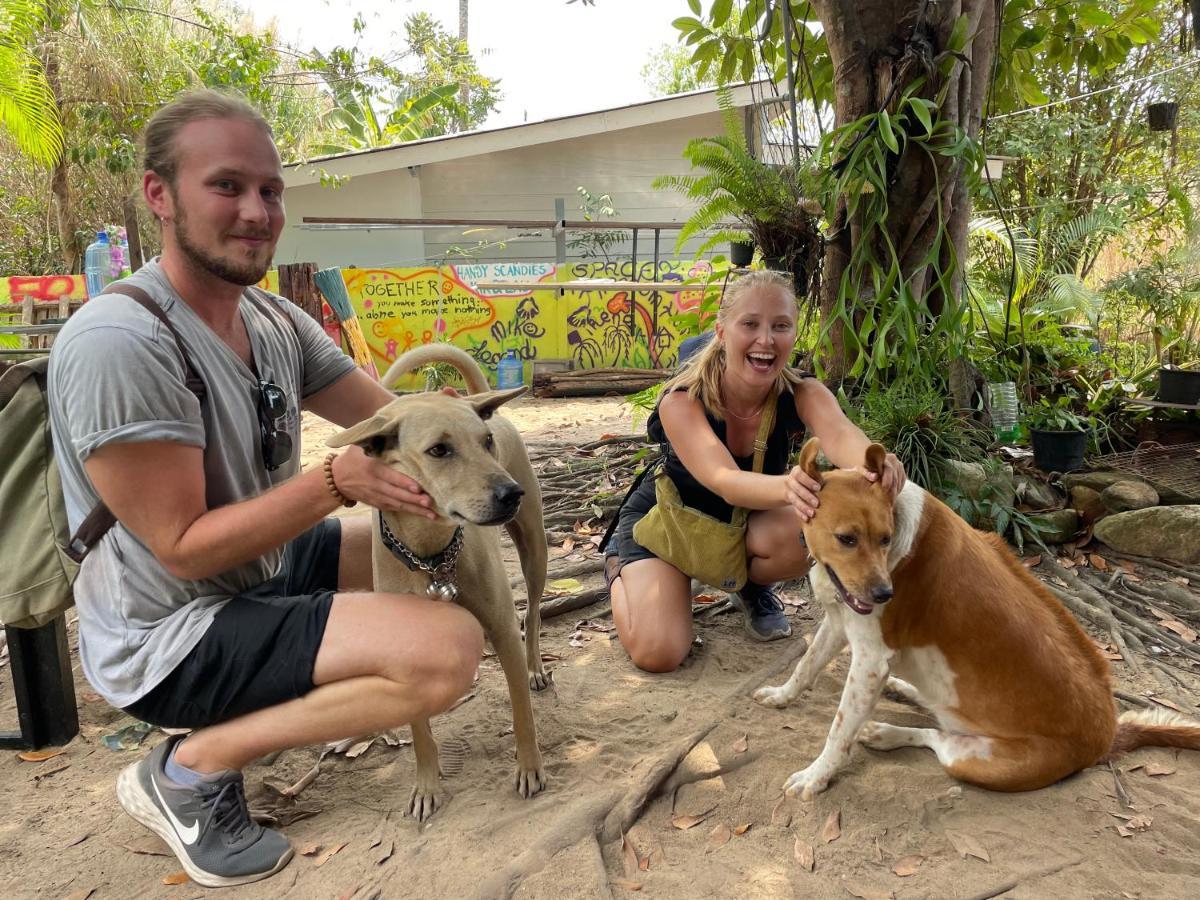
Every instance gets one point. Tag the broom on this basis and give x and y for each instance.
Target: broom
(333, 286)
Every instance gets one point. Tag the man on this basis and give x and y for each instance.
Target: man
(223, 599)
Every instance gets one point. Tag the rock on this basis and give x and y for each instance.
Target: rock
(1054, 527)
(1129, 495)
(977, 482)
(1098, 481)
(1087, 501)
(1037, 494)
(1165, 532)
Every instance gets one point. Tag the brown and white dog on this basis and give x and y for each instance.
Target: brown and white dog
(475, 468)
(1021, 695)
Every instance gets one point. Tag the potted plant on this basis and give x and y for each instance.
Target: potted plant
(741, 253)
(1179, 385)
(1162, 115)
(776, 207)
(1059, 435)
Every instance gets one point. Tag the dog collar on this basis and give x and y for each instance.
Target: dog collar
(439, 567)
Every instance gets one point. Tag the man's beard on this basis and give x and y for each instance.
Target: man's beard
(244, 274)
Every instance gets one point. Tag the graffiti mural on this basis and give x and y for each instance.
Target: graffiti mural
(402, 308)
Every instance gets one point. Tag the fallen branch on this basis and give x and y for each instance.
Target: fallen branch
(572, 602)
(1033, 875)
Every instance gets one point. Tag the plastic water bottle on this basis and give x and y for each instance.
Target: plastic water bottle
(97, 264)
(1002, 398)
(510, 371)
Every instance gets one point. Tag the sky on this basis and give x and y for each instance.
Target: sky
(552, 58)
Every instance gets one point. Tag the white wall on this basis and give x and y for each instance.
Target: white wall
(522, 183)
(395, 194)
(516, 183)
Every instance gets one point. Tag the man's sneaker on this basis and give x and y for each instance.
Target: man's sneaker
(207, 825)
(763, 611)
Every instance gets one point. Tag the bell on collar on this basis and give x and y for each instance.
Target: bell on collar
(442, 590)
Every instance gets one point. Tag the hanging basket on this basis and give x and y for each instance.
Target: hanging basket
(741, 253)
(1162, 115)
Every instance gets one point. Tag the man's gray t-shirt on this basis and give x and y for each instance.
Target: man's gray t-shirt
(116, 376)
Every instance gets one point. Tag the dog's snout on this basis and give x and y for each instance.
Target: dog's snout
(508, 494)
(881, 593)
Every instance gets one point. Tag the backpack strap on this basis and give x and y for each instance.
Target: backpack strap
(98, 522)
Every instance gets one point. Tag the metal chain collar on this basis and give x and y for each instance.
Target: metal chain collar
(440, 567)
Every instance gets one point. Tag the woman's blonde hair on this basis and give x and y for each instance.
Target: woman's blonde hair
(701, 375)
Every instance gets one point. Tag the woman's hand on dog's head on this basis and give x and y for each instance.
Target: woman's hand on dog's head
(894, 476)
(375, 483)
(801, 491)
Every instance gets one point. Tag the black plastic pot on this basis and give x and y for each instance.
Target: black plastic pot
(796, 270)
(1179, 386)
(1058, 451)
(1162, 115)
(741, 253)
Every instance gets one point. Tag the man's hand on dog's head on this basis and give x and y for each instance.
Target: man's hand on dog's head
(375, 483)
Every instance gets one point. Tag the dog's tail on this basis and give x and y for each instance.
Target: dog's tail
(443, 353)
(1154, 728)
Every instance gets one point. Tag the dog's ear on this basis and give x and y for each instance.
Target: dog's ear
(808, 459)
(488, 402)
(370, 433)
(874, 459)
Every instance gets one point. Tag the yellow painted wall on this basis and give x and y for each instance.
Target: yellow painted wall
(400, 308)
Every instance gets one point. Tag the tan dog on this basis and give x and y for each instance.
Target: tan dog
(475, 468)
(1021, 695)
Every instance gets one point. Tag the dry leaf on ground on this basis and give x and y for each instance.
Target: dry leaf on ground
(629, 855)
(38, 755)
(866, 893)
(309, 850)
(804, 854)
(148, 846)
(683, 823)
(967, 845)
(1098, 562)
(719, 836)
(328, 854)
(1169, 704)
(176, 878)
(1153, 768)
(627, 884)
(385, 852)
(80, 894)
(908, 865)
(832, 829)
(1030, 561)
(780, 816)
(359, 749)
(743, 828)
(1179, 628)
(742, 744)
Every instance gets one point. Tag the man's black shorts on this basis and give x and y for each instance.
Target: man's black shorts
(260, 649)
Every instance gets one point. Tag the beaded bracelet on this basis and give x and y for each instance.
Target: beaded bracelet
(329, 482)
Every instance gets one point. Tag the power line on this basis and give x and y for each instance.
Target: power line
(1103, 90)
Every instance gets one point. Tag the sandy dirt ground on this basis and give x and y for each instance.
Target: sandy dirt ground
(893, 824)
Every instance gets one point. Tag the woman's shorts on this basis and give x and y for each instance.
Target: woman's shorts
(261, 647)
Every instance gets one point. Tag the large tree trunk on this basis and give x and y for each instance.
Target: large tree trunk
(877, 49)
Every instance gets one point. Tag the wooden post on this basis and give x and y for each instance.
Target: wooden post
(132, 235)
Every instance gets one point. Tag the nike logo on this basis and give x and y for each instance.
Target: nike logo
(187, 835)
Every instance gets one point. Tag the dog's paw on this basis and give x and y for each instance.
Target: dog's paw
(808, 783)
(530, 781)
(774, 697)
(423, 803)
(539, 681)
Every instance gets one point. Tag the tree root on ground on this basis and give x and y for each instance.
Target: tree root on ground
(604, 818)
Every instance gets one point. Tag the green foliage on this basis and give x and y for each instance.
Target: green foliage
(775, 206)
(354, 123)
(670, 70)
(28, 111)
(1054, 414)
(591, 243)
(444, 59)
(914, 420)
(884, 307)
(1040, 43)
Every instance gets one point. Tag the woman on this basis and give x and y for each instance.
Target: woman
(707, 419)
